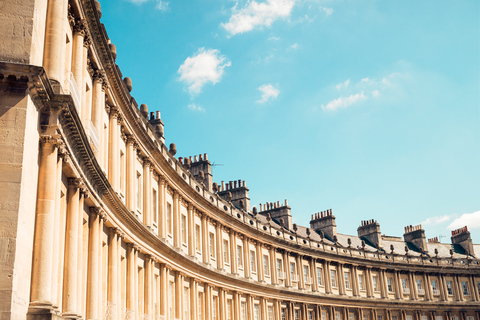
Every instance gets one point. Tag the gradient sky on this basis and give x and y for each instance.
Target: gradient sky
(371, 108)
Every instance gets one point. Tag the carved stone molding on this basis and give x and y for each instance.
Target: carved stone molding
(76, 182)
(54, 140)
(80, 28)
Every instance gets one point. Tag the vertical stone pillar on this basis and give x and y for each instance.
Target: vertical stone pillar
(193, 299)
(56, 282)
(383, 284)
(456, 281)
(219, 238)
(205, 245)
(413, 286)
(341, 279)
(112, 271)
(191, 230)
(442, 287)
(70, 280)
(428, 286)
(178, 294)
(130, 175)
(98, 105)
(273, 265)
(54, 39)
(301, 280)
(93, 264)
(260, 271)
(80, 282)
(131, 277)
(176, 220)
(147, 191)
(233, 252)
(246, 251)
(475, 293)
(163, 290)
(354, 282)
(328, 281)
(79, 31)
(113, 153)
(148, 305)
(398, 286)
(286, 269)
(208, 300)
(41, 292)
(368, 282)
(162, 211)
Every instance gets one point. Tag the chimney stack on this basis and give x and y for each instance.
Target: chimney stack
(324, 221)
(370, 229)
(462, 237)
(416, 235)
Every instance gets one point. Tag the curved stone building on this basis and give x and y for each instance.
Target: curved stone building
(100, 220)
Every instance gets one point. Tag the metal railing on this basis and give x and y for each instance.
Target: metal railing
(421, 291)
(406, 290)
(436, 292)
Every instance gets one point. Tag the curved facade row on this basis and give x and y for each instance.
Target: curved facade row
(102, 221)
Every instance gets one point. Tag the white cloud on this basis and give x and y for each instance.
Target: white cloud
(328, 11)
(471, 220)
(294, 46)
(269, 92)
(436, 220)
(375, 93)
(274, 38)
(256, 14)
(344, 102)
(204, 67)
(194, 107)
(160, 4)
(343, 85)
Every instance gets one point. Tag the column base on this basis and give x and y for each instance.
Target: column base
(42, 311)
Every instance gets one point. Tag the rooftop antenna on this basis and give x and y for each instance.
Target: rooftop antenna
(216, 164)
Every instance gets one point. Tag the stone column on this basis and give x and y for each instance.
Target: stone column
(233, 253)
(354, 281)
(178, 295)
(301, 280)
(475, 293)
(112, 270)
(57, 282)
(341, 279)
(246, 254)
(413, 286)
(219, 238)
(162, 211)
(208, 300)
(260, 273)
(98, 105)
(286, 269)
(71, 249)
(147, 190)
(79, 31)
(456, 280)
(398, 286)
(368, 282)
(383, 284)
(176, 220)
(273, 266)
(191, 230)
(131, 269)
(113, 154)
(130, 175)
(54, 39)
(328, 281)
(41, 292)
(193, 299)
(148, 294)
(205, 245)
(428, 287)
(80, 282)
(93, 264)
(163, 290)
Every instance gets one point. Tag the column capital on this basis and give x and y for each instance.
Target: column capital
(94, 211)
(131, 141)
(87, 41)
(80, 27)
(75, 182)
(53, 140)
(99, 76)
(147, 162)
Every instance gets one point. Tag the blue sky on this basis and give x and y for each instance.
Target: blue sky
(371, 108)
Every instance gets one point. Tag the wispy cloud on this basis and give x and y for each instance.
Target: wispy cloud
(159, 4)
(195, 107)
(294, 46)
(327, 11)
(437, 220)
(343, 84)
(344, 102)
(472, 220)
(366, 88)
(206, 66)
(256, 14)
(274, 38)
(269, 92)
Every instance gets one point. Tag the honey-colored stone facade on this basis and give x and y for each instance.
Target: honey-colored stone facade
(100, 220)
